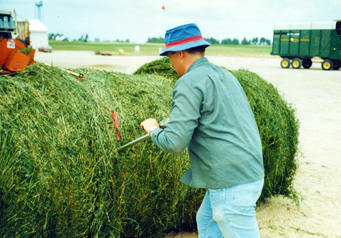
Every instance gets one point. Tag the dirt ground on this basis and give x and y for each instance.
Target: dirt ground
(316, 94)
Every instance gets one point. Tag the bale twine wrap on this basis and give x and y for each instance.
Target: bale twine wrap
(277, 124)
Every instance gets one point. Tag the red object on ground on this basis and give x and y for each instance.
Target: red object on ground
(19, 45)
(12, 60)
(31, 56)
(16, 61)
(4, 51)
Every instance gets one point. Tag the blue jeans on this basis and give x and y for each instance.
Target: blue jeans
(230, 212)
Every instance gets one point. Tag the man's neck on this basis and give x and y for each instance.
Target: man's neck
(190, 59)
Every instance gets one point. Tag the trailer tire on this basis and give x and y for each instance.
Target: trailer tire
(307, 64)
(336, 64)
(285, 63)
(296, 63)
(327, 64)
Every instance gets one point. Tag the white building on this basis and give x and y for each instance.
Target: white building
(38, 34)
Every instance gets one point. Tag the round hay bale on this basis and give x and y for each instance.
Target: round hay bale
(160, 67)
(277, 124)
(60, 175)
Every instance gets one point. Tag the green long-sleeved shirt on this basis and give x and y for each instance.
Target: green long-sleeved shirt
(212, 117)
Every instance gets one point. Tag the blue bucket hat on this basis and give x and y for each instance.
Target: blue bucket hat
(182, 38)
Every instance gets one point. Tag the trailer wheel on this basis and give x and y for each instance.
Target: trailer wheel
(296, 63)
(327, 64)
(336, 64)
(285, 63)
(307, 64)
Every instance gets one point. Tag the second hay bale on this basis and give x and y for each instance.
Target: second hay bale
(276, 122)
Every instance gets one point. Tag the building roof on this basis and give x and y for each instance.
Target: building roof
(306, 26)
(5, 12)
(36, 25)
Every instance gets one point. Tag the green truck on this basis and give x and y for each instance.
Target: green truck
(298, 43)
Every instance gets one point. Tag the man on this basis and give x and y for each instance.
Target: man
(212, 117)
(27, 41)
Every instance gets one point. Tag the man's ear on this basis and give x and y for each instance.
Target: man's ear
(182, 54)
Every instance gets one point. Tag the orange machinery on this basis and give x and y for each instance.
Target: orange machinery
(12, 58)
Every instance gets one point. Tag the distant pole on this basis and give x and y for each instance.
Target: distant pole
(39, 5)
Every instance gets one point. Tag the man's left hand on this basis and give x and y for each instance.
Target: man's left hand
(149, 125)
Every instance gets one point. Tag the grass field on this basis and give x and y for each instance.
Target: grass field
(150, 49)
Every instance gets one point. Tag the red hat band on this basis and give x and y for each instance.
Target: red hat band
(184, 41)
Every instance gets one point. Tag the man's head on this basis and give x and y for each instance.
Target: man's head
(184, 45)
(183, 38)
(27, 40)
(181, 60)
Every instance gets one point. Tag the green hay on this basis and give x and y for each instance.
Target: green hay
(161, 67)
(60, 175)
(276, 121)
(26, 51)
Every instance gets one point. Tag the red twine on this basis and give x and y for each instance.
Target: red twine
(116, 124)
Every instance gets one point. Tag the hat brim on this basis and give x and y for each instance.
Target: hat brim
(185, 46)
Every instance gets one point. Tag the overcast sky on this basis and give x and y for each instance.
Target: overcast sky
(137, 20)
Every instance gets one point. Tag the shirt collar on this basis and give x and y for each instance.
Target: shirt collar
(197, 63)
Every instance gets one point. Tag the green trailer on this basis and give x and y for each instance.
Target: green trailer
(298, 43)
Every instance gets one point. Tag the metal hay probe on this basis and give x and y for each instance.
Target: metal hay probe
(163, 124)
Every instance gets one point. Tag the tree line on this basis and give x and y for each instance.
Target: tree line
(227, 41)
(211, 40)
(82, 38)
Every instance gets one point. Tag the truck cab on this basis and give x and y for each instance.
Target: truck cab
(7, 25)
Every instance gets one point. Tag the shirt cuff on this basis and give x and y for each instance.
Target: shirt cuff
(155, 133)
